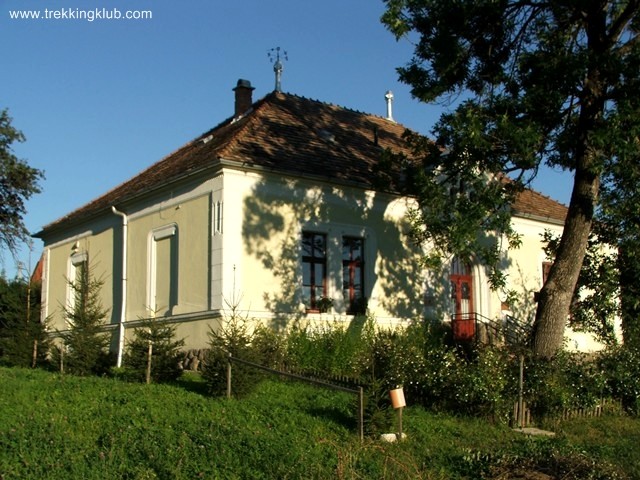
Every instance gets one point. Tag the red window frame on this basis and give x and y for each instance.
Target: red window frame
(314, 269)
(353, 272)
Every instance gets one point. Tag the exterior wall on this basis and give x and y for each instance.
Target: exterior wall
(264, 220)
(234, 242)
(171, 243)
(185, 227)
(187, 212)
(526, 277)
(97, 244)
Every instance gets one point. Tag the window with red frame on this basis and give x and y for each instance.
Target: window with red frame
(353, 273)
(314, 269)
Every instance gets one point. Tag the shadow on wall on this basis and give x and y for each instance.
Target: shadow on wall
(280, 209)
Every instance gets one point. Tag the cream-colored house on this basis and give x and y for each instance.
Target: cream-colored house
(274, 212)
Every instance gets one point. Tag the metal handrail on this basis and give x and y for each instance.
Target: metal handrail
(513, 331)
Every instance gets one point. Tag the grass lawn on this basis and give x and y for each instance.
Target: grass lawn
(64, 427)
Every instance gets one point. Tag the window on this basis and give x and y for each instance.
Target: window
(314, 269)
(353, 274)
(217, 218)
(77, 280)
(163, 271)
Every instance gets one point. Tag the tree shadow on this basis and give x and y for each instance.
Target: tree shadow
(279, 210)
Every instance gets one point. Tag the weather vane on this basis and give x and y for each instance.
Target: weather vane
(276, 58)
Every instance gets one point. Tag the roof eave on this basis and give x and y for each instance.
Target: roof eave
(538, 218)
(125, 200)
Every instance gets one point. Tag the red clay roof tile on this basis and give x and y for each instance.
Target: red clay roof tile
(288, 134)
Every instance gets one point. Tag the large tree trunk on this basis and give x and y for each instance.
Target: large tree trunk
(557, 293)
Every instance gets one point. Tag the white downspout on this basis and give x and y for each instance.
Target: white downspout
(123, 306)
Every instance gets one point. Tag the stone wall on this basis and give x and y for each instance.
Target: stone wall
(192, 359)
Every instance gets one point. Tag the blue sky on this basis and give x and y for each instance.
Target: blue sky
(100, 101)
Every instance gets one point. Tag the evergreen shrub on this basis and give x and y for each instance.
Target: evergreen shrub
(85, 343)
(165, 352)
(232, 338)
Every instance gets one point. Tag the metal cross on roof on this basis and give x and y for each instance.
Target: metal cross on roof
(276, 58)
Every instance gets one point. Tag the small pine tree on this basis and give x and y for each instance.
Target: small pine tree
(23, 338)
(154, 354)
(85, 341)
(232, 338)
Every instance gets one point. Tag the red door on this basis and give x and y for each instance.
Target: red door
(463, 321)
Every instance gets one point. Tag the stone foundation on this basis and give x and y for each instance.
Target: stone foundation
(192, 359)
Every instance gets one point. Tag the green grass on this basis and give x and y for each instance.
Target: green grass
(64, 427)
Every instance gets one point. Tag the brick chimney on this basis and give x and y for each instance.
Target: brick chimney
(244, 91)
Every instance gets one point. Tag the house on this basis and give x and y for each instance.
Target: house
(274, 213)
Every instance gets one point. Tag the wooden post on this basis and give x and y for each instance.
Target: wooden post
(34, 354)
(149, 356)
(229, 377)
(361, 413)
(61, 350)
(520, 393)
(398, 403)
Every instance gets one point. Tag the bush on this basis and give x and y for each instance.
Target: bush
(232, 339)
(165, 352)
(621, 367)
(331, 348)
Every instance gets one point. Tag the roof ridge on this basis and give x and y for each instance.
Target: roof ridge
(342, 107)
(545, 196)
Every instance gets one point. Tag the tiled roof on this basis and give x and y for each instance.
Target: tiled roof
(288, 134)
(536, 205)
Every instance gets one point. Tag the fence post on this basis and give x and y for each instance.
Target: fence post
(229, 376)
(61, 350)
(149, 357)
(361, 413)
(520, 388)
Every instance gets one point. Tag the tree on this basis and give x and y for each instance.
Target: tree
(18, 182)
(618, 215)
(23, 337)
(86, 343)
(596, 300)
(541, 83)
(154, 354)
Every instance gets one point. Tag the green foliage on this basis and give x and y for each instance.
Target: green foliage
(629, 265)
(18, 182)
(85, 342)
(23, 337)
(335, 349)
(620, 227)
(270, 346)
(548, 84)
(233, 338)
(621, 366)
(101, 428)
(596, 299)
(165, 357)
(481, 381)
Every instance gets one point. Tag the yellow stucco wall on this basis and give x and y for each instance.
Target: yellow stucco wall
(235, 240)
(265, 218)
(191, 223)
(98, 248)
